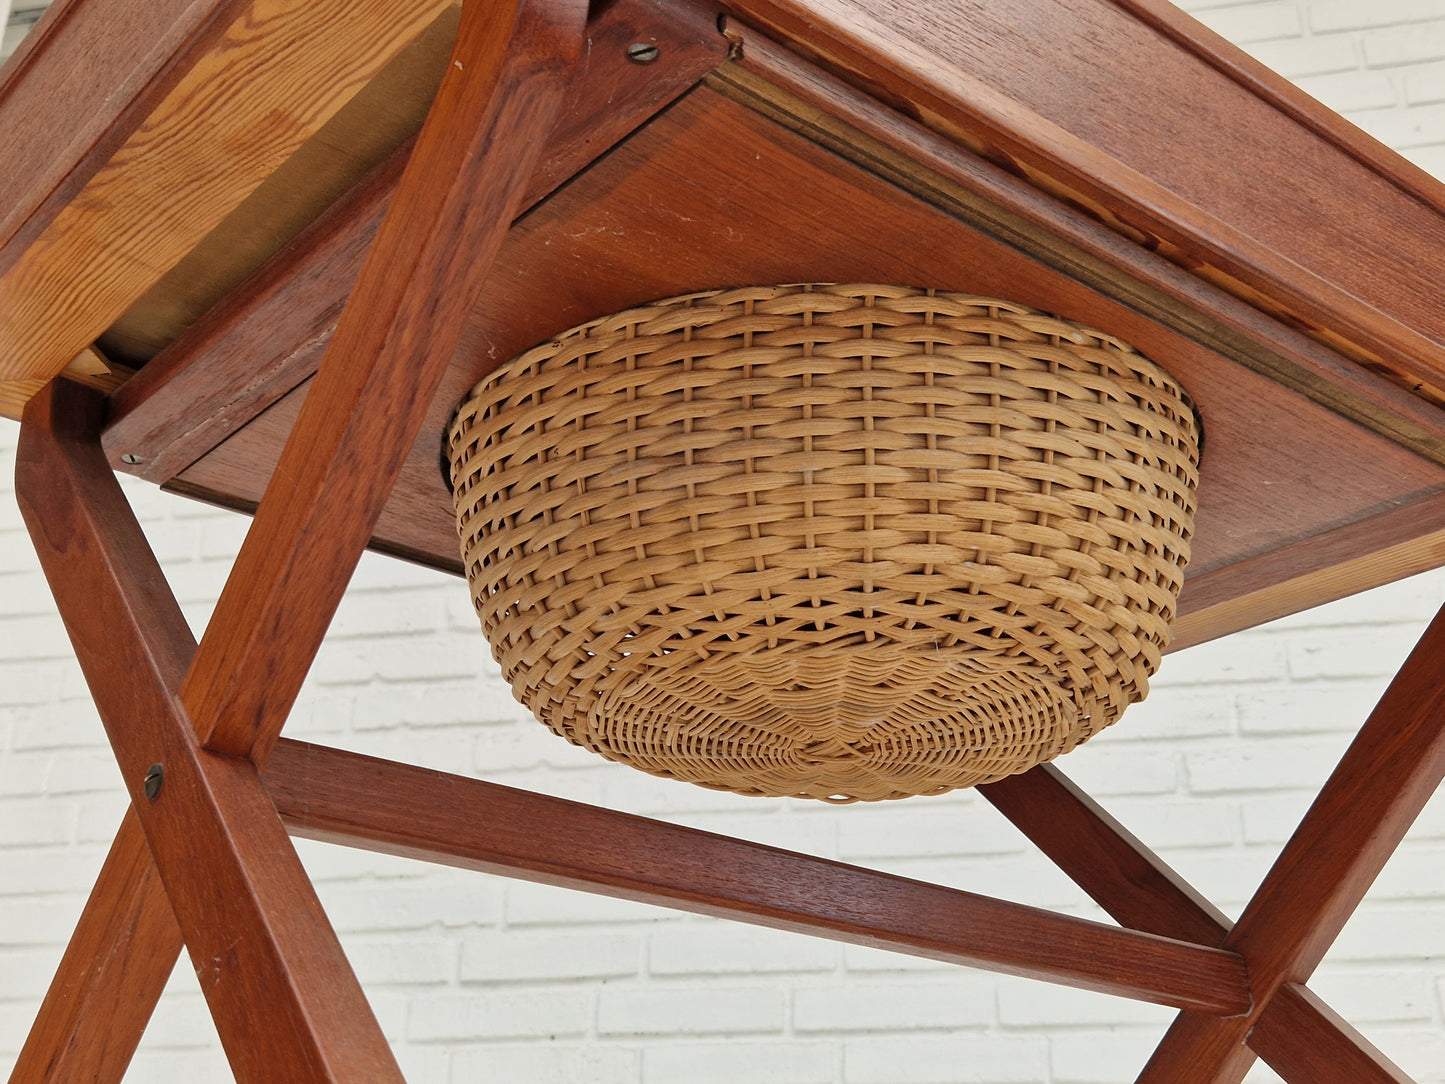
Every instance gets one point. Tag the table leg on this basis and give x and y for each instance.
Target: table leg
(1383, 781)
(111, 976)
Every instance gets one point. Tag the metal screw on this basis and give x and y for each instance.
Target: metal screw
(642, 52)
(131, 458)
(155, 776)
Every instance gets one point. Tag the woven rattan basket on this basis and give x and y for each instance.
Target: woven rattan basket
(841, 542)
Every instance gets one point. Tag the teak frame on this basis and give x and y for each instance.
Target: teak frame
(203, 860)
(205, 853)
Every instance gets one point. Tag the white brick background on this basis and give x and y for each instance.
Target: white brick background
(479, 978)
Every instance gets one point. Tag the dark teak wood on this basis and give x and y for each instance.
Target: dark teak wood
(285, 1002)
(435, 246)
(1387, 775)
(790, 140)
(111, 975)
(331, 795)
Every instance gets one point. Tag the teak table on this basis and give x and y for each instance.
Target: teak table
(234, 261)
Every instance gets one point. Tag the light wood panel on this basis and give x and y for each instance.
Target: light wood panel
(384, 114)
(86, 368)
(77, 86)
(280, 70)
(266, 337)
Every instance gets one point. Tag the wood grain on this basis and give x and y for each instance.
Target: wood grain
(85, 368)
(382, 116)
(712, 193)
(77, 87)
(268, 336)
(395, 808)
(430, 258)
(1306, 1042)
(1148, 136)
(1241, 68)
(1388, 773)
(1098, 854)
(114, 969)
(280, 70)
(253, 348)
(284, 1000)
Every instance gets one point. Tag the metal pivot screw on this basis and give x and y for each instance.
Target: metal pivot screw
(131, 458)
(642, 52)
(155, 776)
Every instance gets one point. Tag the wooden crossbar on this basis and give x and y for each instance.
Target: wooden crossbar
(1300, 1037)
(344, 797)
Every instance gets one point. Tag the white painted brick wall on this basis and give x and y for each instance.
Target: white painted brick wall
(476, 977)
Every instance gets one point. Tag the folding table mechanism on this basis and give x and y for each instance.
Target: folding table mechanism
(576, 162)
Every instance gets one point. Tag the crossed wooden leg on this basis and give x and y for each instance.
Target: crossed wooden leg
(135, 647)
(1387, 775)
(1389, 772)
(204, 854)
(191, 726)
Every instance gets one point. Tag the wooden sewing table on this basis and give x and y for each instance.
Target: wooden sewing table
(193, 189)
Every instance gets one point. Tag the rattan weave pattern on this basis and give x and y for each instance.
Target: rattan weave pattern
(844, 542)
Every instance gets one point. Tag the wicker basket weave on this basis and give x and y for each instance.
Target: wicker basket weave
(841, 542)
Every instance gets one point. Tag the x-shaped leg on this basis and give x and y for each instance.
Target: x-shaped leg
(1389, 772)
(1383, 781)
(192, 726)
(341, 797)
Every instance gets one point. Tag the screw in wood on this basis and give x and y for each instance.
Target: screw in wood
(155, 776)
(131, 458)
(642, 52)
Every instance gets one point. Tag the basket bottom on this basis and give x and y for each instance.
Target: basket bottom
(877, 721)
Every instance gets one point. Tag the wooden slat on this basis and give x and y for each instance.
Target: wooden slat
(285, 1002)
(1374, 550)
(280, 70)
(1241, 68)
(268, 336)
(1306, 1042)
(344, 797)
(1390, 770)
(111, 976)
